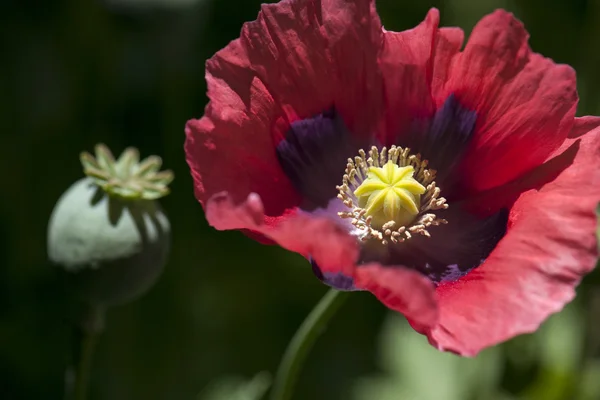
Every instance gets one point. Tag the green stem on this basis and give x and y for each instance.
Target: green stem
(88, 343)
(92, 324)
(302, 343)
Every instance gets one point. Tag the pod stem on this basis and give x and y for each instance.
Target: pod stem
(303, 341)
(86, 335)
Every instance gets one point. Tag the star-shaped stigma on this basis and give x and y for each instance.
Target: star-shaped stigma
(391, 193)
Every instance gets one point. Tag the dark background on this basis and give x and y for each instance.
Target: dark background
(131, 72)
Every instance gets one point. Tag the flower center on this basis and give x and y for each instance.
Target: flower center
(390, 194)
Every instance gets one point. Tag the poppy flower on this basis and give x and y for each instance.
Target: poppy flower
(455, 184)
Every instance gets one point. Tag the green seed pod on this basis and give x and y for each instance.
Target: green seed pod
(108, 232)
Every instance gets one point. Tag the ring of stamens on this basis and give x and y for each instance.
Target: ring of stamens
(356, 173)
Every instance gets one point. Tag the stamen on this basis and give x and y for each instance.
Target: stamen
(360, 170)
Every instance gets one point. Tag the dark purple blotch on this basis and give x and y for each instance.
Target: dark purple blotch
(314, 154)
(453, 249)
(443, 139)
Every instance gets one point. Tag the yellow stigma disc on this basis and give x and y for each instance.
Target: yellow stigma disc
(390, 193)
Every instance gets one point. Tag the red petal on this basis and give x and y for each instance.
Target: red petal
(448, 44)
(402, 290)
(525, 103)
(233, 152)
(312, 55)
(583, 125)
(534, 270)
(329, 244)
(335, 251)
(299, 58)
(412, 62)
(492, 200)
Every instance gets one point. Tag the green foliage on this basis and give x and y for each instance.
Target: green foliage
(413, 370)
(236, 388)
(559, 356)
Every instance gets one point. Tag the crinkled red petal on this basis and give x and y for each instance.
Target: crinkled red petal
(583, 125)
(525, 103)
(412, 63)
(402, 290)
(299, 58)
(335, 251)
(549, 246)
(318, 237)
(490, 201)
(233, 152)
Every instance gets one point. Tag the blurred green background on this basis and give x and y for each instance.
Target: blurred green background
(131, 72)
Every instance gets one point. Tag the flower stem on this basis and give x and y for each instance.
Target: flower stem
(92, 324)
(302, 342)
